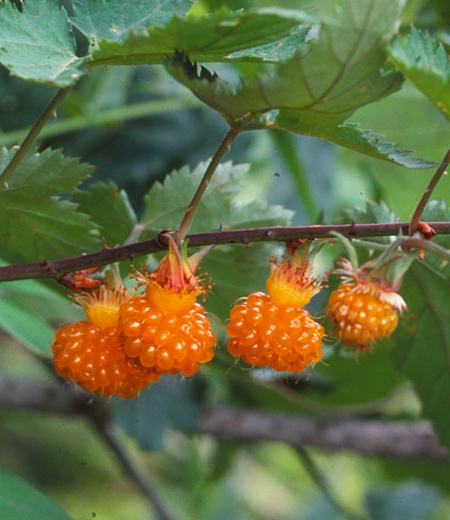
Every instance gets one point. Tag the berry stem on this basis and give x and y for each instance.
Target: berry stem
(32, 136)
(415, 219)
(426, 245)
(57, 268)
(202, 187)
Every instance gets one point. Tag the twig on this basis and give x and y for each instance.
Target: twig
(409, 440)
(142, 482)
(212, 166)
(58, 268)
(402, 439)
(322, 483)
(32, 136)
(426, 245)
(415, 219)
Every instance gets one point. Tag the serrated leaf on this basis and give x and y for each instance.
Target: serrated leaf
(113, 20)
(166, 203)
(422, 350)
(20, 501)
(352, 137)
(38, 44)
(301, 98)
(46, 173)
(424, 62)
(170, 403)
(110, 208)
(34, 223)
(211, 38)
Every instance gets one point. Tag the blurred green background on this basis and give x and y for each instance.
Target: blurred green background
(137, 125)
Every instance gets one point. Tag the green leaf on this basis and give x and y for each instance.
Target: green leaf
(422, 351)
(113, 20)
(38, 44)
(30, 312)
(47, 173)
(352, 381)
(297, 96)
(28, 329)
(171, 403)
(350, 136)
(165, 207)
(166, 203)
(34, 223)
(20, 501)
(426, 64)
(109, 208)
(220, 36)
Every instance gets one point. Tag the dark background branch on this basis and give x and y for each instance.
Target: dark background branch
(410, 440)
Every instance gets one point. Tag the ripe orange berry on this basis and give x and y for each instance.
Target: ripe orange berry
(363, 312)
(274, 330)
(267, 335)
(95, 360)
(167, 339)
(90, 353)
(165, 329)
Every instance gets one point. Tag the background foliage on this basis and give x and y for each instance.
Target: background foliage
(343, 71)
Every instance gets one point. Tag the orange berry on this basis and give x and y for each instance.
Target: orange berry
(287, 341)
(93, 358)
(176, 339)
(363, 312)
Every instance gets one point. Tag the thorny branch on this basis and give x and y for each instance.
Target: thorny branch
(56, 269)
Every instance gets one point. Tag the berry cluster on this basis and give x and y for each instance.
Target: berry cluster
(130, 342)
(94, 358)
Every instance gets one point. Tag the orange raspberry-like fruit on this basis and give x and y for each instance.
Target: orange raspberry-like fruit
(265, 334)
(274, 330)
(168, 339)
(165, 329)
(95, 360)
(363, 312)
(90, 353)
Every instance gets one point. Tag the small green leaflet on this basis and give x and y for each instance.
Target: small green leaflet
(35, 224)
(20, 501)
(113, 20)
(220, 36)
(38, 44)
(426, 64)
